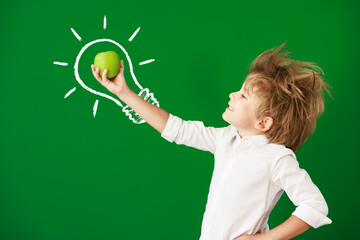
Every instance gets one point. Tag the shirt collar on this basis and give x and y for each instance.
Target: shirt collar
(257, 140)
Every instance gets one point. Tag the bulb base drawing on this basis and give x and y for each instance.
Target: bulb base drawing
(147, 96)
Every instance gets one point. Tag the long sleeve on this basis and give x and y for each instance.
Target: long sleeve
(296, 182)
(190, 133)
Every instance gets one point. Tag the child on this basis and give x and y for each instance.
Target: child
(270, 118)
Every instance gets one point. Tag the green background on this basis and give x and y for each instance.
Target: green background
(67, 175)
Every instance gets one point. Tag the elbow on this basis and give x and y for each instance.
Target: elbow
(314, 213)
(321, 206)
(324, 209)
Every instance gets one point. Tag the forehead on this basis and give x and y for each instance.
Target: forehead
(248, 85)
(252, 77)
(252, 93)
(249, 91)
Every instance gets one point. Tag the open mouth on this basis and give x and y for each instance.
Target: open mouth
(230, 108)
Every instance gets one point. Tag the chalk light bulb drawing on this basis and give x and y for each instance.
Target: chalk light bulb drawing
(144, 92)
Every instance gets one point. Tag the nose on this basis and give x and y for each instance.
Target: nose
(231, 95)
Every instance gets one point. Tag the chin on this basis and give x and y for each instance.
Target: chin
(225, 118)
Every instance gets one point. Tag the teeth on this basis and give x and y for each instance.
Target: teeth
(231, 108)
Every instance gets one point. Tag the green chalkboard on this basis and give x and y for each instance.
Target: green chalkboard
(69, 172)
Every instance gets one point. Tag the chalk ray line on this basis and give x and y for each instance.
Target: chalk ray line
(95, 107)
(134, 34)
(147, 61)
(61, 63)
(76, 35)
(70, 92)
(105, 22)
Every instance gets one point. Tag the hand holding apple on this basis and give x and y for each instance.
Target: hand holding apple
(117, 85)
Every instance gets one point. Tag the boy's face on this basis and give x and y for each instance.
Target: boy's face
(241, 112)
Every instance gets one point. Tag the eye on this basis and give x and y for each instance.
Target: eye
(242, 95)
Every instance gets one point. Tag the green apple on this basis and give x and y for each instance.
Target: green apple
(109, 60)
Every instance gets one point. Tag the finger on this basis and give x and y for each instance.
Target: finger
(122, 66)
(93, 70)
(96, 74)
(104, 77)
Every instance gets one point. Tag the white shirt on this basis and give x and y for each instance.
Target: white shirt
(250, 175)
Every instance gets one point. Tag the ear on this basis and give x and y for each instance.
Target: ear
(265, 124)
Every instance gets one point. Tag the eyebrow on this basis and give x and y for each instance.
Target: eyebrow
(246, 90)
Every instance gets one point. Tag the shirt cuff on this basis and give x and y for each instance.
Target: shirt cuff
(172, 128)
(311, 216)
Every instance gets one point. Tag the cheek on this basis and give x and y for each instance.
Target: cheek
(238, 114)
(240, 109)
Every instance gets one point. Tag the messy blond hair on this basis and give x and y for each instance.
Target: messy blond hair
(290, 92)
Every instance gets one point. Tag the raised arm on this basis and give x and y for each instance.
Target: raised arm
(190, 133)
